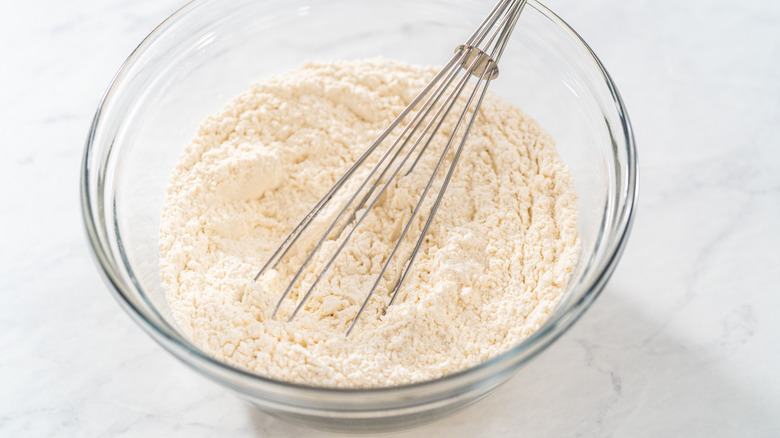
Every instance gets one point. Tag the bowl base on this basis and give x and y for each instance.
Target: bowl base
(382, 422)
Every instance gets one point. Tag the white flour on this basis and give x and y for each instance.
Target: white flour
(494, 265)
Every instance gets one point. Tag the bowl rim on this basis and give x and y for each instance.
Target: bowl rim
(537, 342)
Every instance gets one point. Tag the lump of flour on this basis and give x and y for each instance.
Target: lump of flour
(493, 266)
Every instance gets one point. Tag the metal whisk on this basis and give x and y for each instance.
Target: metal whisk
(477, 57)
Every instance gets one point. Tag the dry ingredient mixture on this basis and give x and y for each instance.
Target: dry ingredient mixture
(494, 264)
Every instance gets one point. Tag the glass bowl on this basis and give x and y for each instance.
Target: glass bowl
(212, 50)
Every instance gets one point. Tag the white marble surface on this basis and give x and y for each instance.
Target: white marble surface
(685, 340)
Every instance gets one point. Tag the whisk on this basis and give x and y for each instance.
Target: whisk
(477, 57)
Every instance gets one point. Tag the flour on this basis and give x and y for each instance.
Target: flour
(494, 264)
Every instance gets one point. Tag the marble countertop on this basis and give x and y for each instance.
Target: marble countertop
(684, 341)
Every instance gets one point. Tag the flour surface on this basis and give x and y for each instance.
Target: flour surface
(493, 266)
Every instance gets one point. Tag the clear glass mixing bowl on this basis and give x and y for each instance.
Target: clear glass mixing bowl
(211, 50)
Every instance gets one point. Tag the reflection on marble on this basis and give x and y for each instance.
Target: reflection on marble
(685, 340)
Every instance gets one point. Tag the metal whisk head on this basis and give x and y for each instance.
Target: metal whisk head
(477, 57)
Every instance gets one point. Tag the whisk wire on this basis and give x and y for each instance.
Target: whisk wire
(399, 241)
(440, 115)
(443, 188)
(472, 57)
(291, 238)
(427, 109)
(411, 125)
